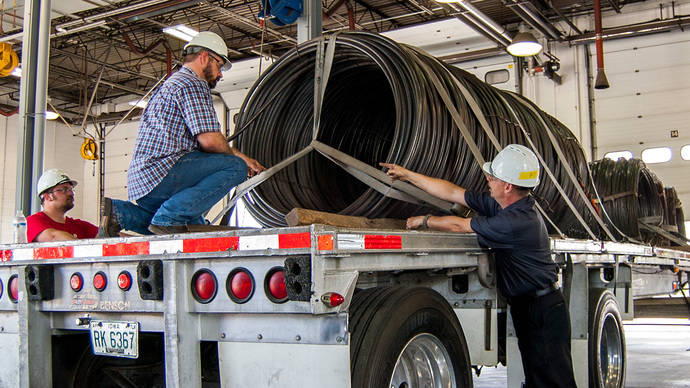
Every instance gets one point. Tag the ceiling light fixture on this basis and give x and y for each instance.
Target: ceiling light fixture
(182, 32)
(50, 115)
(17, 72)
(524, 44)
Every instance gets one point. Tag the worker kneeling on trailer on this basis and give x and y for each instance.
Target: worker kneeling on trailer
(510, 225)
(56, 192)
(182, 164)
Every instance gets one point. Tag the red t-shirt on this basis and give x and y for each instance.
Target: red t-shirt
(37, 223)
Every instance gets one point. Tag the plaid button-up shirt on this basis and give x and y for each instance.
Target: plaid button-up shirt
(181, 109)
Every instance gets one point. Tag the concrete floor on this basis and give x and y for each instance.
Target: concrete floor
(658, 356)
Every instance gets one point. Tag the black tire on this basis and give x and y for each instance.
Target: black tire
(384, 320)
(607, 359)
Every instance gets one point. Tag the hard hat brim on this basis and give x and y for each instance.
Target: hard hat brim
(487, 169)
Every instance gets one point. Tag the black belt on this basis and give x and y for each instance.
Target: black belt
(544, 291)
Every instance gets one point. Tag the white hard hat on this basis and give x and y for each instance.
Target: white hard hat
(210, 41)
(52, 178)
(515, 164)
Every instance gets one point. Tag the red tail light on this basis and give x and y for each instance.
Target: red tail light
(100, 281)
(124, 280)
(76, 281)
(240, 285)
(275, 285)
(13, 286)
(204, 286)
(332, 299)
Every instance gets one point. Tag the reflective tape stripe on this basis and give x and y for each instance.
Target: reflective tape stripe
(126, 249)
(294, 240)
(166, 246)
(382, 242)
(23, 254)
(88, 250)
(215, 244)
(54, 252)
(269, 241)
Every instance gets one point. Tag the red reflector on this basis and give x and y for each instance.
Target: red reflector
(76, 282)
(276, 285)
(13, 286)
(205, 286)
(124, 280)
(382, 242)
(99, 281)
(332, 299)
(241, 285)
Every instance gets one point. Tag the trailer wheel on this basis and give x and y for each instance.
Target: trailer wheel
(406, 338)
(606, 341)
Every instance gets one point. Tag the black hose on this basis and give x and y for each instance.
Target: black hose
(380, 105)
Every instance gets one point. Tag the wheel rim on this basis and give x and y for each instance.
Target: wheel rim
(611, 352)
(423, 362)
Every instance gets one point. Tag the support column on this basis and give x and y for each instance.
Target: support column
(309, 24)
(32, 102)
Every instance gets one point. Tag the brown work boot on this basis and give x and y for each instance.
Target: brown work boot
(109, 226)
(168, 229)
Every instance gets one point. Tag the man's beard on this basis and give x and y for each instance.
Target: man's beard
(208, 75)
(67, 206)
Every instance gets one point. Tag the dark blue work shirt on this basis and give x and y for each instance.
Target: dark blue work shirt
(519, 238)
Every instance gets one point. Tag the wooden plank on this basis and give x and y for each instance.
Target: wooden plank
(298, 217)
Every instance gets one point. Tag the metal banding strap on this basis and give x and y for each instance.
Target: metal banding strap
(568, 169)
(489, 133)
(550, 174)
(249, 184)
(322, 71)
(453, 111)
(380, 181)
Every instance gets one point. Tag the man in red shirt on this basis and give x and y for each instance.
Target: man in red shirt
(55, 189)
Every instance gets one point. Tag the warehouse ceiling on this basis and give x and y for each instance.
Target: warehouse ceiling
(121, 42)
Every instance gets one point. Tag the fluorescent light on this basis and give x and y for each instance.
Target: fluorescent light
(139, 103)
(181, 31)
(17, 72)
(50, 115)
(524, 44)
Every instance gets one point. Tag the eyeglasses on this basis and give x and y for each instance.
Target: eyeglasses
(63, 190)
(219, 62)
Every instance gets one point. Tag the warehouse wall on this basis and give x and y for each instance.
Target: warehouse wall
(61, 151)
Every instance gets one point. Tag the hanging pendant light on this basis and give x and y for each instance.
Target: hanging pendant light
(524, 44)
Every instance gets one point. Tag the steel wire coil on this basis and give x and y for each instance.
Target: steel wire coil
(630, 192)
(379, 105)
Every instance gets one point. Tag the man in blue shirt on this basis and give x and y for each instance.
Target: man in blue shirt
(510, 225)
(182, 164)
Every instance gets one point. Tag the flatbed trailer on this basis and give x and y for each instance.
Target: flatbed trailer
(309, 306)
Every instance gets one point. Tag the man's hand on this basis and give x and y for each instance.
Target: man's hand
(415, 222)
(396, 172)
(253, 166)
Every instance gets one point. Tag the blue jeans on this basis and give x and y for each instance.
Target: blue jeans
(194, 184)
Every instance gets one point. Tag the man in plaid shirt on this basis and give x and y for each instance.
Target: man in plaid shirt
(182, 164)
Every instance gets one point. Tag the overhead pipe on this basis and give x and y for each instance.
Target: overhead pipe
(633, 30)
(532, 16)
(480, 17)
(600, 81)
(103, 15)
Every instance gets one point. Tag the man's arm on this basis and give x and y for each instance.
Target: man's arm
(51, 234)
(437, 187)
(444, 224)
(215, 143)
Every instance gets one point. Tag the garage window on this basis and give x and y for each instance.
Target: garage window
(685, 152)
(657, 155)
(495, 77)
(615, 155)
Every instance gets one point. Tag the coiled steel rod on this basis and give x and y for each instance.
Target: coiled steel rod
(379, 105)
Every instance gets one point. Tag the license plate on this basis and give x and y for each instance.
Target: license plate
(115, 338)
